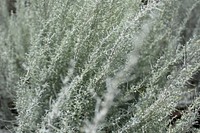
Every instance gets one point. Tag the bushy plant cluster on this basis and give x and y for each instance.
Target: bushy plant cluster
(100, 66)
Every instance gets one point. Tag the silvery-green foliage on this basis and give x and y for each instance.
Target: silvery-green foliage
(72, 33)
(14, 42)
(100, 66)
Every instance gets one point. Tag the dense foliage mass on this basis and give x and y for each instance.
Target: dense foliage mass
(100, 66)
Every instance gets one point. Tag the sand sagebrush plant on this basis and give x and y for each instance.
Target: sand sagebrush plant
(14, 41)
(101, 66)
